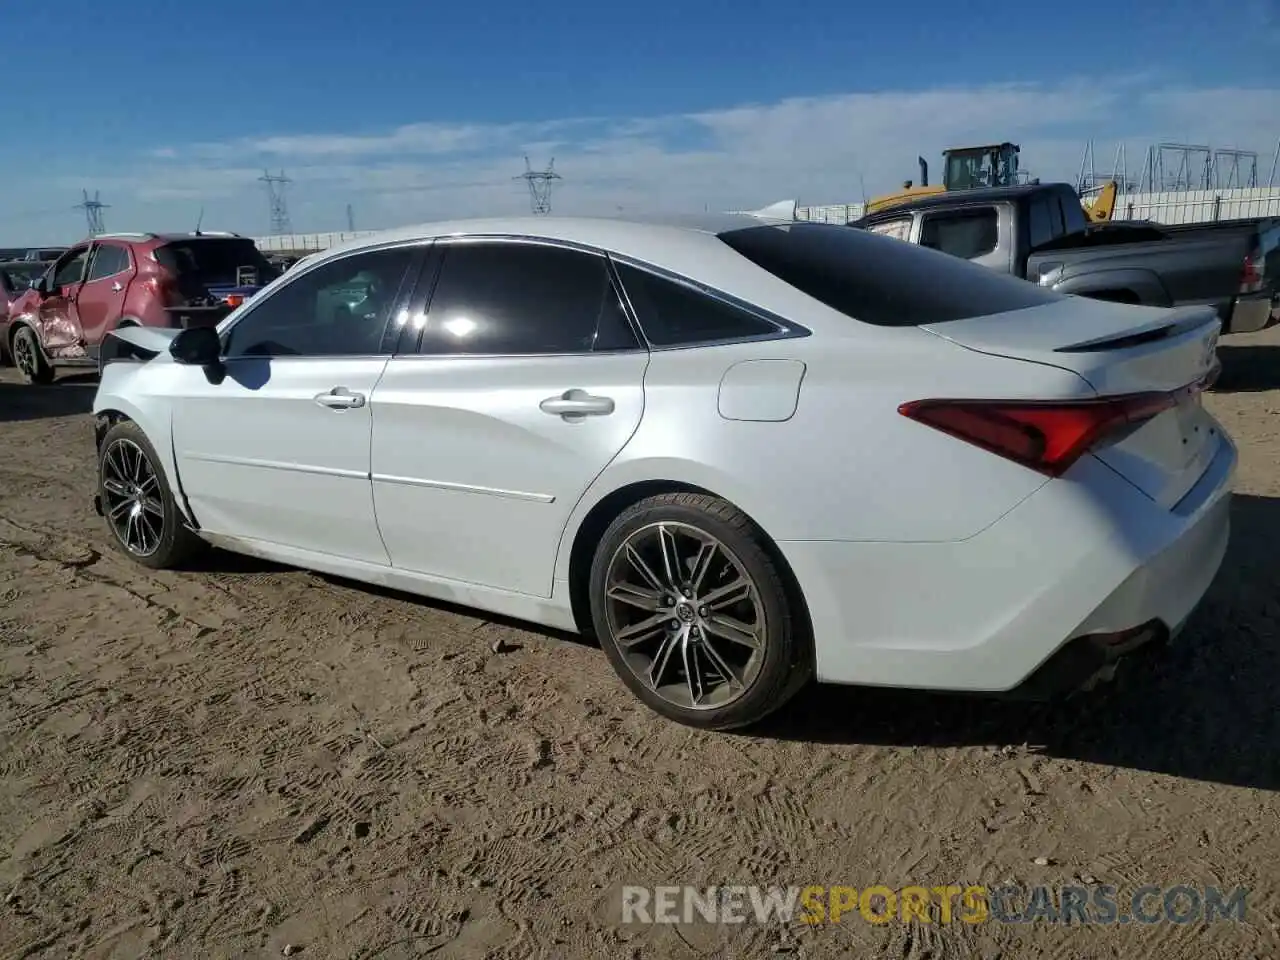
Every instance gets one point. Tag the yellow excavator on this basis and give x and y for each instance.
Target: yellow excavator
(989, 165)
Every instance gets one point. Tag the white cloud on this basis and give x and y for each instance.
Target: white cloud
(814, 149)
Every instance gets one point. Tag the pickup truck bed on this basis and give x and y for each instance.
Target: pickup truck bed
(1039, 233)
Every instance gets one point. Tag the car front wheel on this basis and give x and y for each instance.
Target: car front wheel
(694, 614)
(136, 500)
(28, 358)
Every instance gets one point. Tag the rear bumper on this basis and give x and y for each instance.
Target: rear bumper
(1254, 312)
(1084, 556)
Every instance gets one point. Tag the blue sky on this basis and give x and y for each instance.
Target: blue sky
(414, 110)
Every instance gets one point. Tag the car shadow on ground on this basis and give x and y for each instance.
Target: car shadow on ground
(1207, 708)
(1252, 368)
(66, 397)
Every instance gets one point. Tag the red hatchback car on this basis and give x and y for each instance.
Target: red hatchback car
(138, 279)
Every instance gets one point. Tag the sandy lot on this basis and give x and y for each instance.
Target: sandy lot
(228, 762)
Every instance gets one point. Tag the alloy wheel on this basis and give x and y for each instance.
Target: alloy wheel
(132, 497)
(24, 357)
(685, 615)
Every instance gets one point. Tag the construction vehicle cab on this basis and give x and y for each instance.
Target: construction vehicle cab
(964, 168)
(991, 165)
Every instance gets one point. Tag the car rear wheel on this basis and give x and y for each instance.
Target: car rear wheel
(29, 359)
(141, 512)
(694, 614)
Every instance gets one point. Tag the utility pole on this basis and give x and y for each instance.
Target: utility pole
(540, 183)
(279, 209)
(93, 212)
(351, 220)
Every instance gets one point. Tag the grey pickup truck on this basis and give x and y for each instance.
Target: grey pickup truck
(1039, 232)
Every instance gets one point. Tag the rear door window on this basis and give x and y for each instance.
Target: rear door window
(678, 314)
(964, 233)
(502, 298)
(876, 281)
(108, 260)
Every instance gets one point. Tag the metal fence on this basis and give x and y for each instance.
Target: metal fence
(1199, 206)
(1187, 206)
(298, 242)
(1183, 206)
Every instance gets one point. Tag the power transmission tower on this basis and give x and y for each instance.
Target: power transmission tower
(351, 220)
(275, 198)
(93, 212)
(540, 183)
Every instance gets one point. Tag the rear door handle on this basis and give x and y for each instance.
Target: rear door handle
(576, 404)
(116, 288)
(340, 398)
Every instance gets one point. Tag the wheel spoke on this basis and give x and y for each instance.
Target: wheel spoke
(737, 590)
(670, 556)
(701, 563)
(115, 488)
(642, 631)
(120, 509)
(728, 673)
(692, 675)
(642, 598)
(153, 506)
(663, 656)
(733, 630)
(642, 568)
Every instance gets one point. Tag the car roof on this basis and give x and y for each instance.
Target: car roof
(683, 244)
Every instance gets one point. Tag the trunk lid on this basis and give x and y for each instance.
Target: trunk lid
(1120, 349)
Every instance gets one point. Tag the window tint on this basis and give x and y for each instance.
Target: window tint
(678, 314)
(340, 308)
(1073, 215)
(71, 270)
(523, 298)
(872, 279)
(108, 261)
(216, 260)
(1055, 211)
(966, 234)
(1040, 222)
(899, 229)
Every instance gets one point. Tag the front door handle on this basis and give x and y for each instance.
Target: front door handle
(340, 398)
(116, 288)
(576, 404)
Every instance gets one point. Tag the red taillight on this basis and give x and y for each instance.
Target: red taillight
(234, 300)
(1047, 436)
(1253, 276)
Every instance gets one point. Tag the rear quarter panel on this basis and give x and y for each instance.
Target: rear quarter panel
(846, 465)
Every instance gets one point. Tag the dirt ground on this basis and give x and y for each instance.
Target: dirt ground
(244, 759)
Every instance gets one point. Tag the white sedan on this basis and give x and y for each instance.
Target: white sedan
(741, 453)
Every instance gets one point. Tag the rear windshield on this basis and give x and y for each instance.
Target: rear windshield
(210, 261)
(881, 280)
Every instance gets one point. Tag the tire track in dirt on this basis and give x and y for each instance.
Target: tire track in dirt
(226, 761)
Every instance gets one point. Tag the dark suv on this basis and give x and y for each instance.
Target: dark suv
(140, 279)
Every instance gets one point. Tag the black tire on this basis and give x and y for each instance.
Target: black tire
(175, 545)
(785, 661)
(29, 358)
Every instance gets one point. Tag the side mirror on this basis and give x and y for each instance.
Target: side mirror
(40, 284)
(197, 347)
